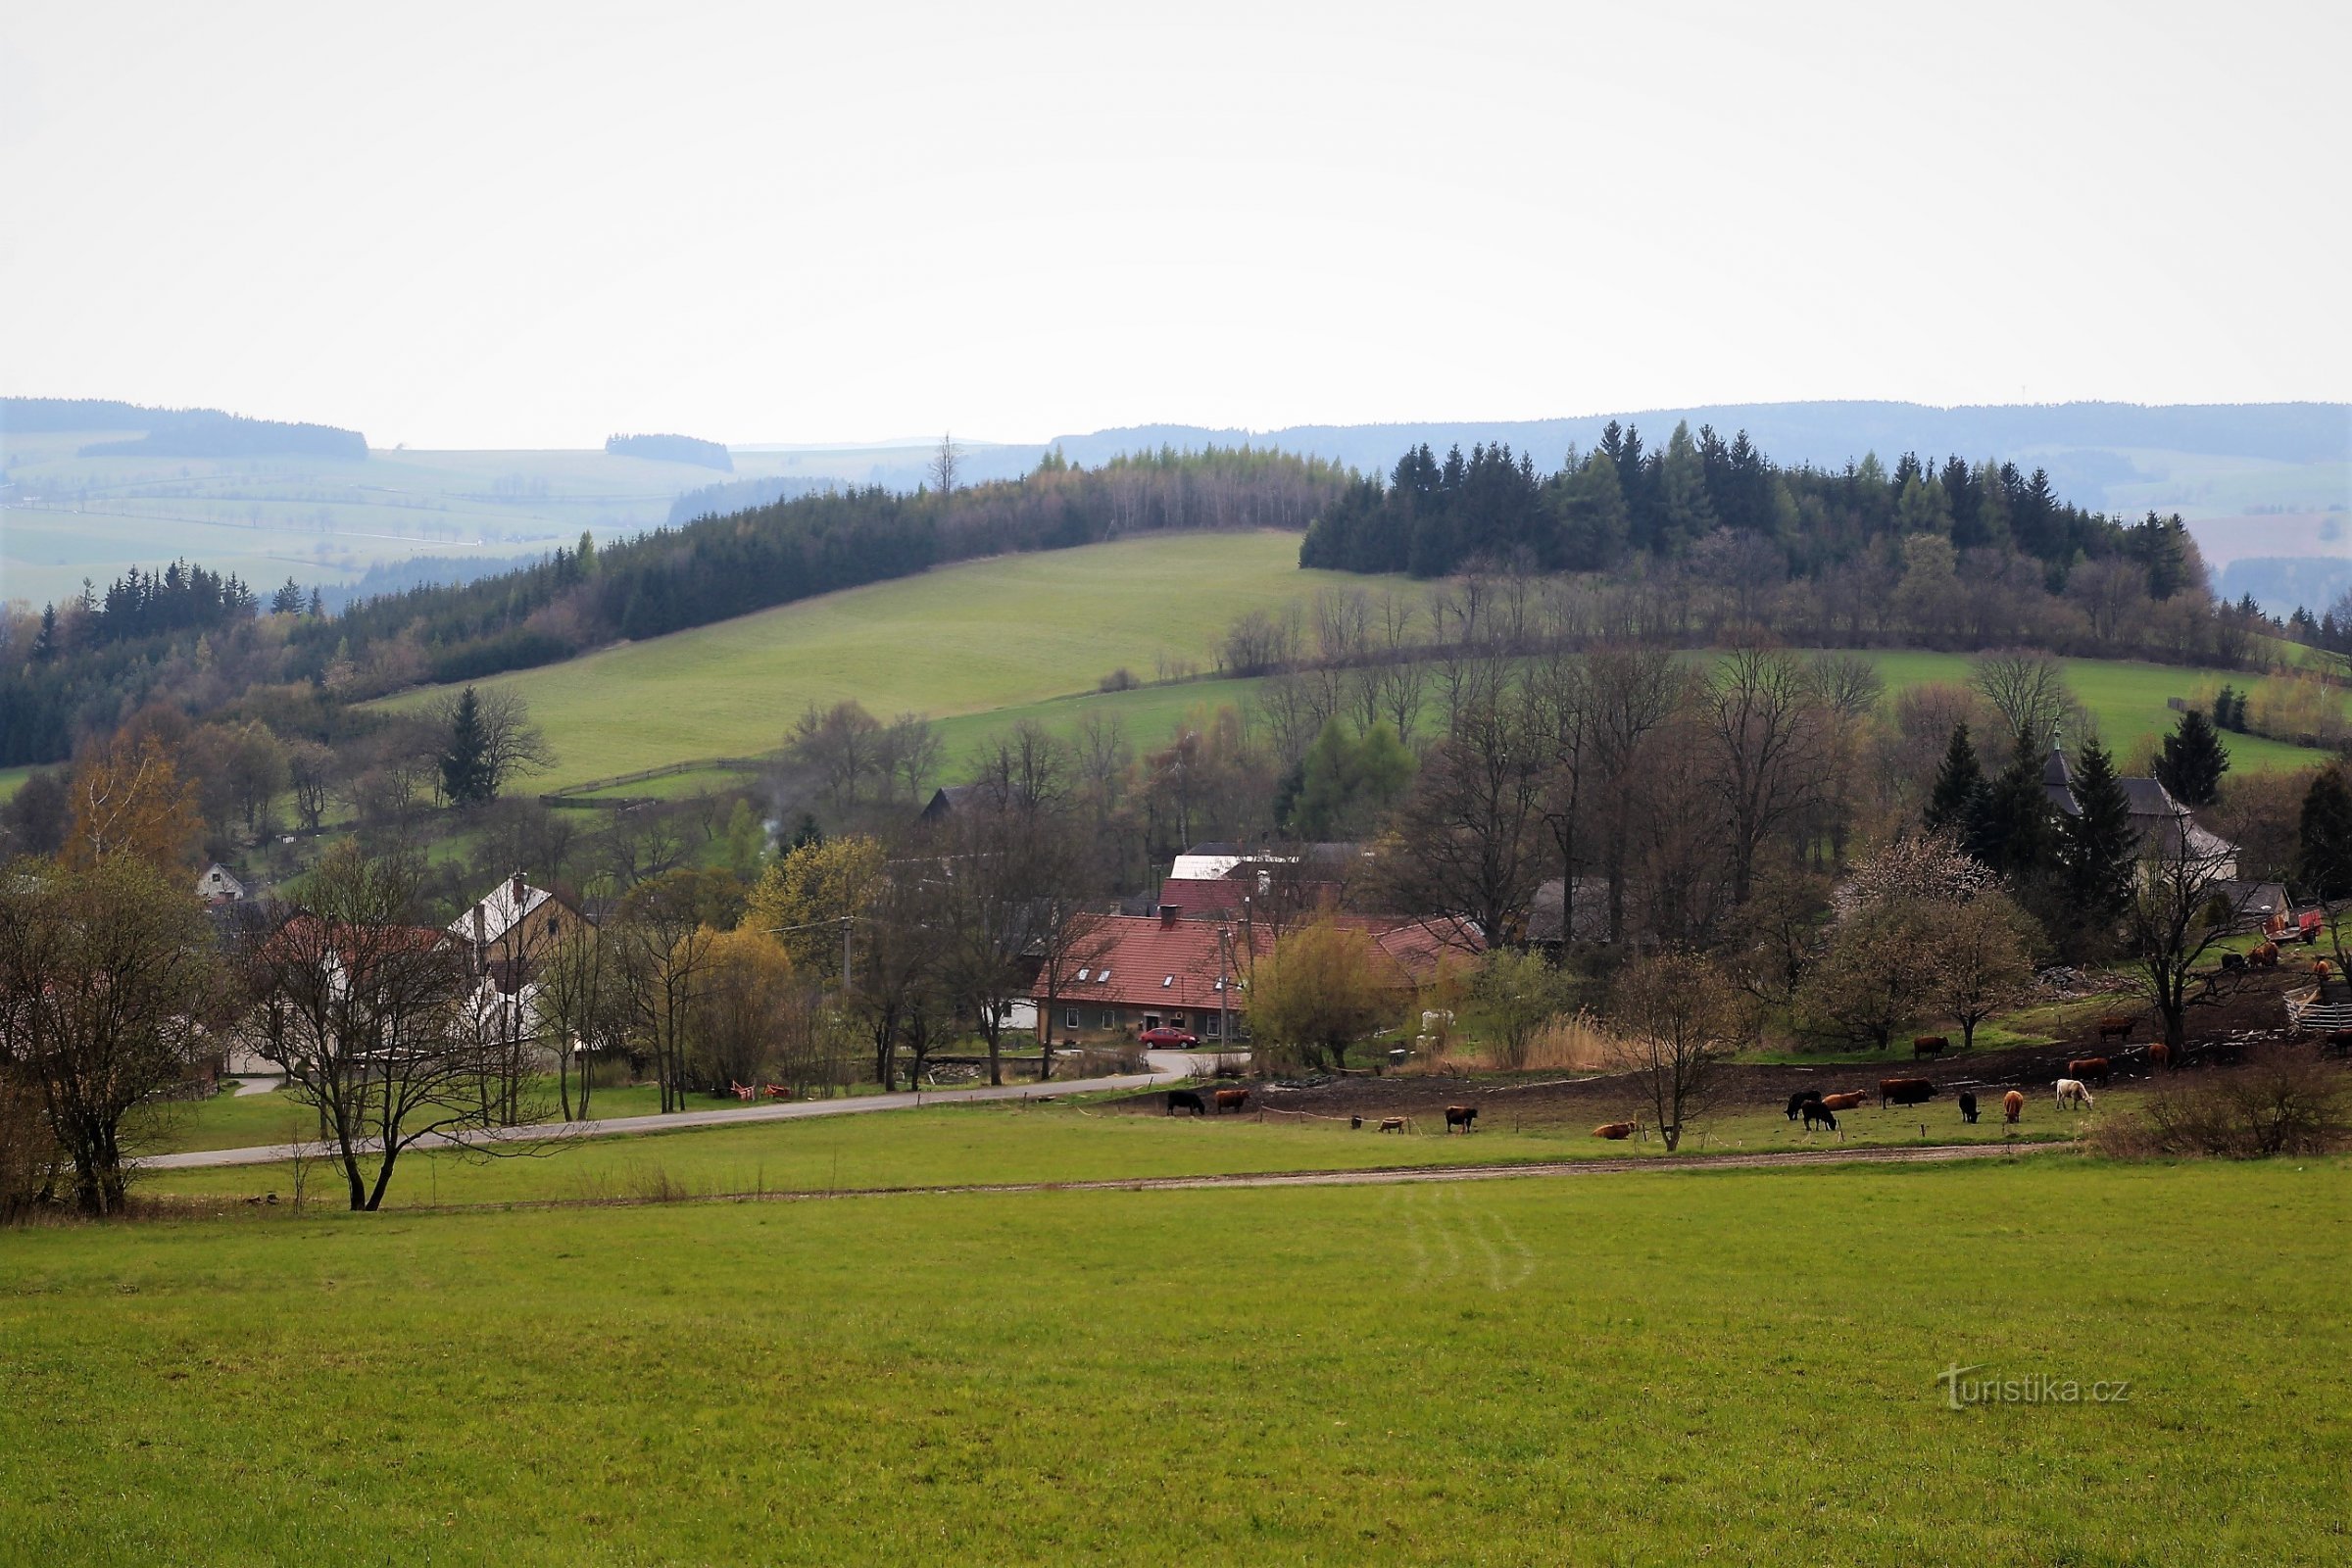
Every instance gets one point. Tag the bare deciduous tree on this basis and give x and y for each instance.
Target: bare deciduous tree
(103, 974)
(1675, 1017)
(372, 1019)
(2026, 689)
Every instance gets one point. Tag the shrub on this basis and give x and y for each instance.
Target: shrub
(1121, 679)
(2285, 1100)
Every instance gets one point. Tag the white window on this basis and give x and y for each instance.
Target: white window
(1069, 1018)
(1110, 1019)
(1101, 979)
(1086, 973)
(1169, 981)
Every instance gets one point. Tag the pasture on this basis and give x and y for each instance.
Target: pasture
(1638, 1369)
(962, 640)
(981, 643)
(1063, 1142)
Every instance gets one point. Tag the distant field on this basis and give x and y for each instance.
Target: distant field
(1735, 1367)
(979, 646)
(962, 640)
(12, 779)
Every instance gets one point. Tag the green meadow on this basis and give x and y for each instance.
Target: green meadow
(1060, 1141)
(1729, 1366)
(980, 645)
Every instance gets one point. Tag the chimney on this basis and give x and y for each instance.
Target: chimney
(1168, 915)
(481, 924)
(517, 890)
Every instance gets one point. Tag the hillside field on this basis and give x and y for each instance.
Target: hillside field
(981, 643)
(1741, 1366)
(961, 640)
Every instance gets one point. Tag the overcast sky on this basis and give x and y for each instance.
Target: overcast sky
(493, 224)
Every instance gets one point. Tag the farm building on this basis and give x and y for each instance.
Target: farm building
(218, 886)
(1164, 971)
(2161, 821)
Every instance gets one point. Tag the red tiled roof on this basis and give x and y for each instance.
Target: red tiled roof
(1148, 962)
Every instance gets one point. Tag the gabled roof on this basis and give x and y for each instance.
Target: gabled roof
(1145, 961)
(502, 910)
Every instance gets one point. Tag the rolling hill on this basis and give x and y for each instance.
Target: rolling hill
(980, 645)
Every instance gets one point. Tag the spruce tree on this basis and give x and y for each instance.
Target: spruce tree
(1959, 785)
(2098, 849)
(2193, 761)
(466, 756)
(2012, 829)
(2325, 861)
(317, 605)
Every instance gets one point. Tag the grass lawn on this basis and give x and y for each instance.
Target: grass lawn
(963, 1145)
(1736, 1367)
(12, 779)
(964, 639)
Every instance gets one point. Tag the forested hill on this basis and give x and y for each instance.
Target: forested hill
(84, 665)
(1625, 500)
(179, 432)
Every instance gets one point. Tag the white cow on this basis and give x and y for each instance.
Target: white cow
(2071, 1091)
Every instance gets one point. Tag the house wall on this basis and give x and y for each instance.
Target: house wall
(1108, 1023)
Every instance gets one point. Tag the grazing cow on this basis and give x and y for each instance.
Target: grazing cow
(1463, 1117)
(1822, 1114)
(2013, 1105)
(2115, 1029)
(1391, 1124)
(1617, 1131)
(1851, 1100)
(2232, 961)
(1355, 1124)
(1904, 1092)
(1798, 1102)
(1968, 1107)
(2265, 956)
(1184, 1099)
(2091, 1070)
(2071, 1092)
(1231, 1099)
(2160, 1057)
(1930, 1046)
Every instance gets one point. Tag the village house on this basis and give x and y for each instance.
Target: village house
(2162, 822)
(515, 925)
(1166, 972)
(218, 886)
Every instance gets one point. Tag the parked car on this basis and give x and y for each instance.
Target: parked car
(1169, 1040)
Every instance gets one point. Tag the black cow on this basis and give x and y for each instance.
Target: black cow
(1815, 1111)
(1968, 1107)
(1798, 1102)
(1185, 1099)
(1904, 1092)
(1463, 1117)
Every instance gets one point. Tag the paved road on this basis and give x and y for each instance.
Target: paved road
(1166, 1068)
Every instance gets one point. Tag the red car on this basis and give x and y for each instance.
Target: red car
(1168, 1039)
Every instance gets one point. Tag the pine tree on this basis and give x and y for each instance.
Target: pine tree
(2098, 848)
(2193, 762)
(2012, 829)
(288, 600)
(2325, 861)
(466, 758)
(1959, 785)
(44, 642)
(317, 607)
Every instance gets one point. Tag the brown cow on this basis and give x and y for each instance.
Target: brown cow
(1231, 1099)
(1904, 1092)
(2265, 956)
(2091, 1070)
(1617, 1130)
(2115, 1029)
(1391, 1124)
(1930, 1046)
(2160, 1057)
(2013, 1105)
(1848, 1101)
(1463, 1117)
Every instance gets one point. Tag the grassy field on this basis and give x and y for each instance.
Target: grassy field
(983, 1144)
(982, 644)
(962, 640)
(1741, 1367)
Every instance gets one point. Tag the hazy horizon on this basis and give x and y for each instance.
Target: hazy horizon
(529, 225)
